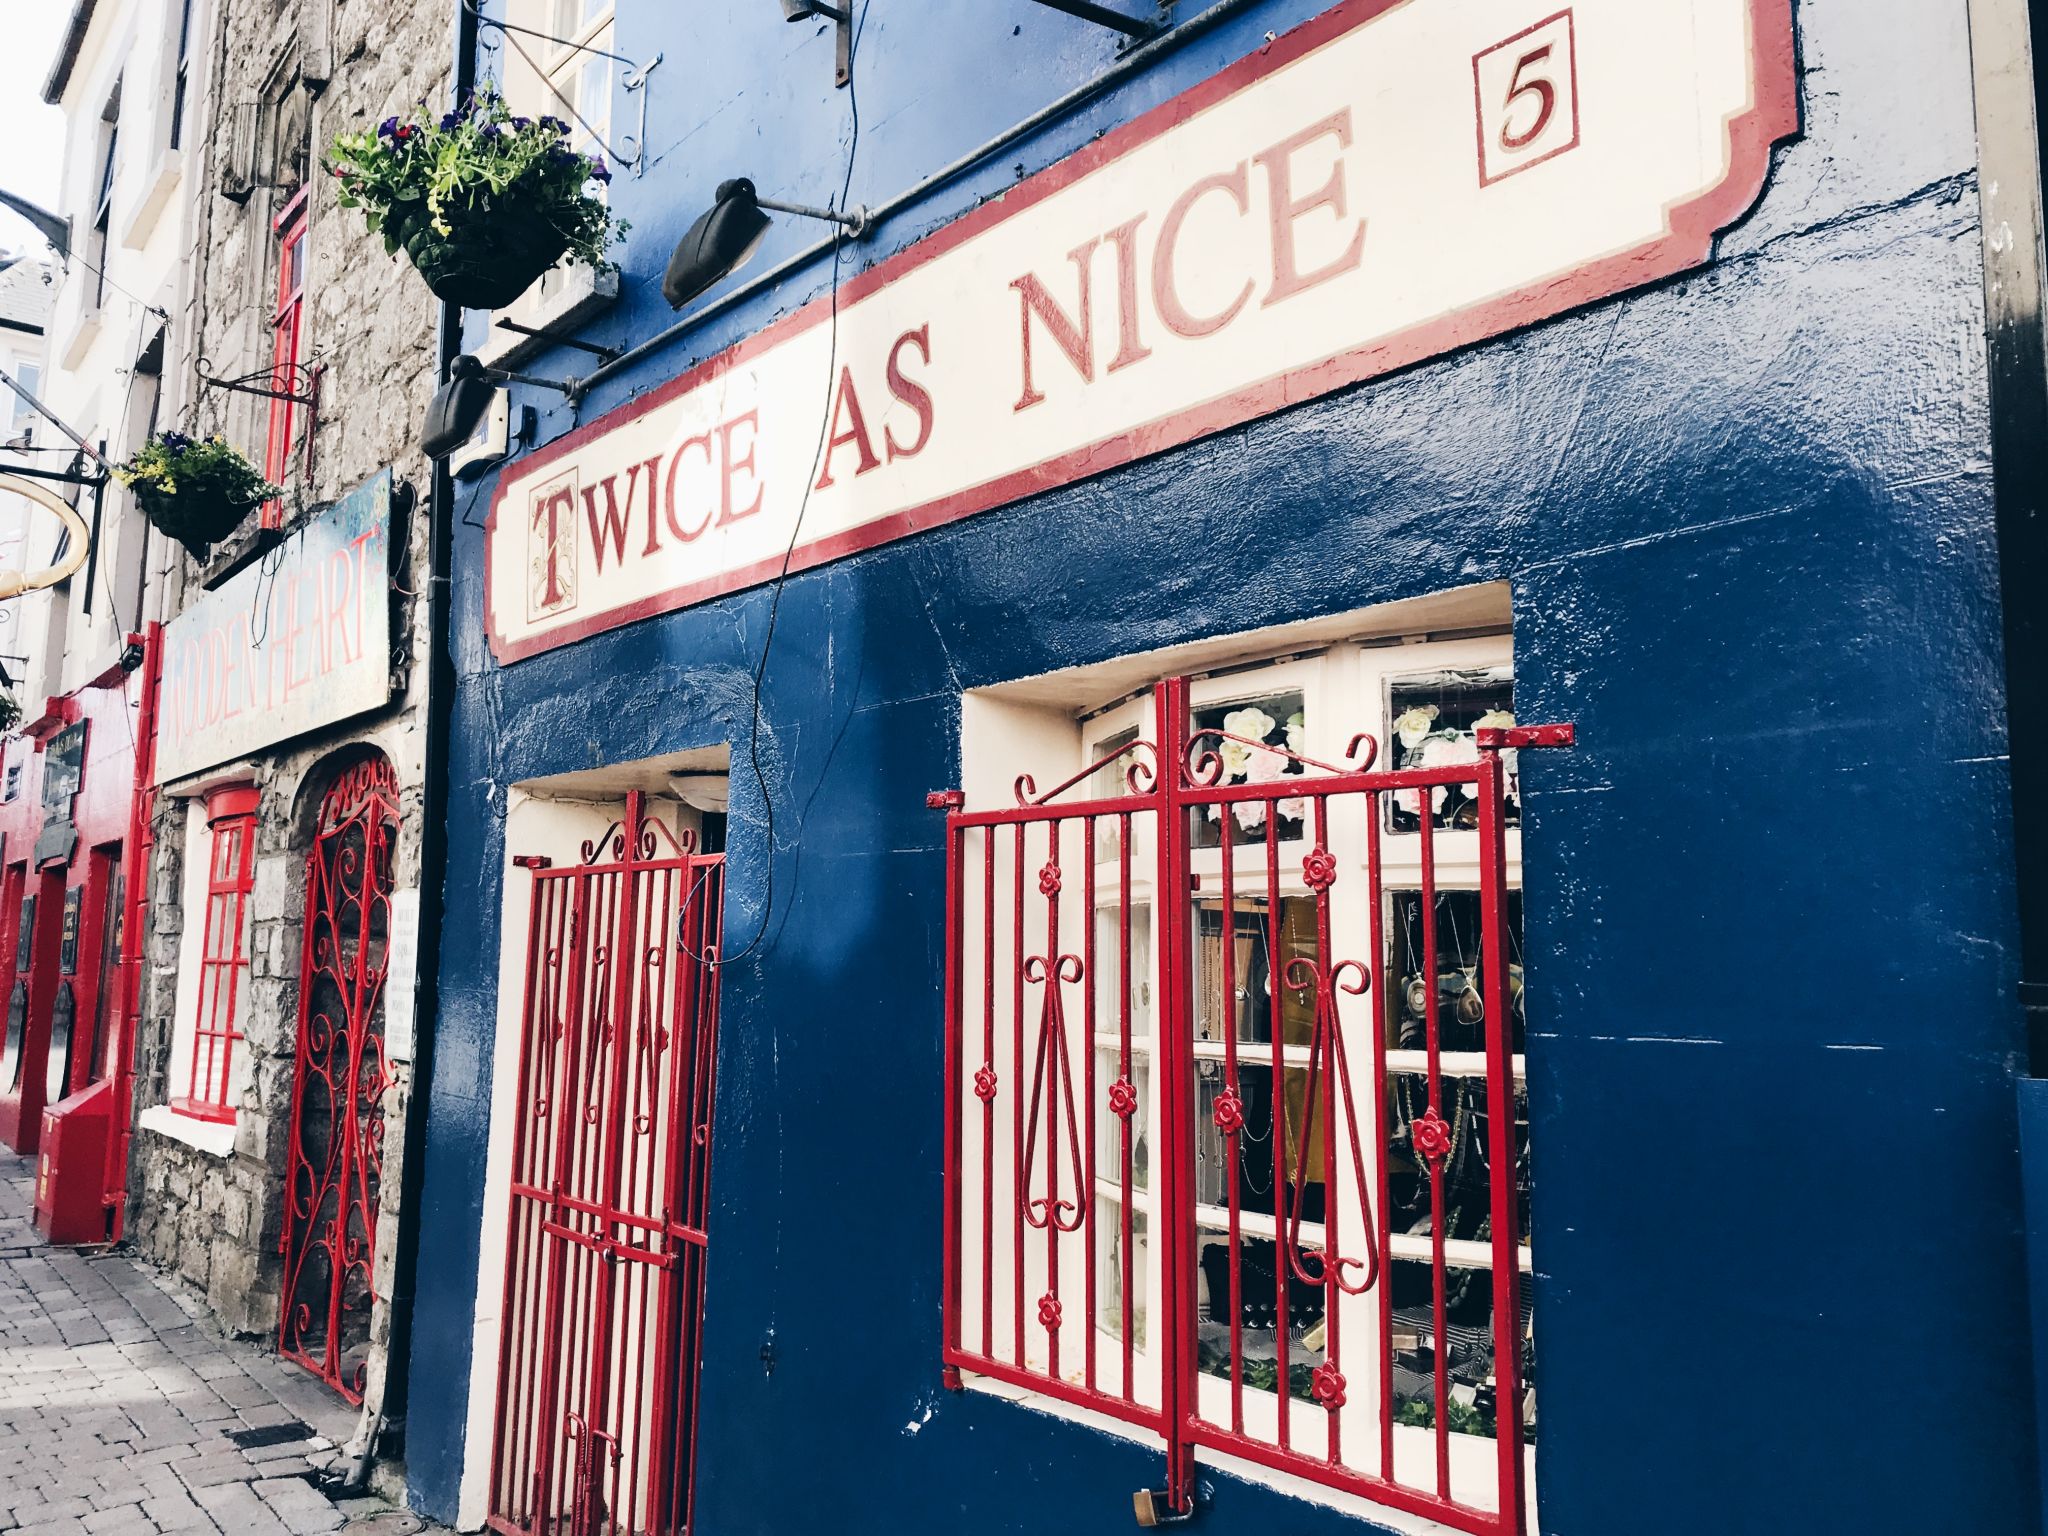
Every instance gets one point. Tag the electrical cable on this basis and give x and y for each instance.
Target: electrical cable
(508, 28)
(796, 530)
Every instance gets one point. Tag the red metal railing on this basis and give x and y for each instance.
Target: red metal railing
(1327, 978)
(605, 1249)
(335, 1170)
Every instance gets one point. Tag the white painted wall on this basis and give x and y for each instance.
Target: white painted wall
(91, 382)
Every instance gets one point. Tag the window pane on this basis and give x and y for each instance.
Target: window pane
(1115, 1273)
(1254, 1001)
(1432, 717)
(1276, 720)
(1459, 979)
(1110, 782)
(1110, 969)
(1109, 1147)
(1260, 1270)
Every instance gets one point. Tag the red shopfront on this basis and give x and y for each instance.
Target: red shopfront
(68, 814)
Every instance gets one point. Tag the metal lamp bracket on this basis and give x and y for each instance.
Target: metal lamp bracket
(1135, 30)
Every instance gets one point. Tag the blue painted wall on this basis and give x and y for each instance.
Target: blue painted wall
(1747, 518)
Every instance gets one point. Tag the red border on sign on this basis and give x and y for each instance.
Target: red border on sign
(1688, 242)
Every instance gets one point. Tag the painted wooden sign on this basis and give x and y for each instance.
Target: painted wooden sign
(63, 778)
(298, 640)
(1388, 182)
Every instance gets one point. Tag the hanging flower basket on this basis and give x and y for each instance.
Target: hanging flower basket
(483, 202)
(194, 490)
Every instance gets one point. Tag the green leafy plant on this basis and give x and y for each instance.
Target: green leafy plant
(196, 489)
(484, 201)
(10, 711)
(1465, 1419)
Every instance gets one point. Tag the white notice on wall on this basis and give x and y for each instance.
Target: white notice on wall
(401, 975)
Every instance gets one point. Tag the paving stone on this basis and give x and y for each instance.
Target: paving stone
(117, 1394)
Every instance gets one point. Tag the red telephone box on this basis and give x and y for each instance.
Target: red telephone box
(71, 1166)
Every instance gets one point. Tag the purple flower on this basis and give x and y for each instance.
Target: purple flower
(450, 121)
(490, 130)
(388, 128)
(555, 125)
(176, 442)
(521, 124)
(599, 171)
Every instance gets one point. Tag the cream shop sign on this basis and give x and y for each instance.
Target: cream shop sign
(1390, 181)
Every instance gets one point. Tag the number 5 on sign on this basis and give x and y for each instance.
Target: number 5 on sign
(1527, 91)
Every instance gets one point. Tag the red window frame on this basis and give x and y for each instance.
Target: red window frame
(223, 956)
(1015, 974)
(287, 329)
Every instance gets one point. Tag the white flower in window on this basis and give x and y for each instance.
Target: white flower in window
(1251, 723)
(1495, 720)
(1447, 749)
(1413, 726)
(1297, 733)
(1261, 768)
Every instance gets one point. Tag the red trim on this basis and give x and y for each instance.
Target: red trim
(231, 800)
(1688, 243)
(200, 1109)
(1571, 35)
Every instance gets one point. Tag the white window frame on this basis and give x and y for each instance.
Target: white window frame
(1346, 688)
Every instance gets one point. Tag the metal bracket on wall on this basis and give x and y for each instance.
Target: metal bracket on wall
(301, 387)
(634, 80)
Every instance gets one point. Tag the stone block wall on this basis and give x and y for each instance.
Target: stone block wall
(283, 79)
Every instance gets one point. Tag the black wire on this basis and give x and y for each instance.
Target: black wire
(132, 298)
(796, 531)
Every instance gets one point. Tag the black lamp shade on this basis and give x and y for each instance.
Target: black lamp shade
(718, 243)
(456, 409)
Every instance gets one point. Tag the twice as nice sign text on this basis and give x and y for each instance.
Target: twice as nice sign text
(1390, 181)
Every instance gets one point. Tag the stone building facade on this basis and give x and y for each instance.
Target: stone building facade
(282, 287)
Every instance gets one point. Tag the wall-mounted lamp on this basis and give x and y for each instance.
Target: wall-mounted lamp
(458, 406)
(730, 231)
(1133, 27)
(841, 17)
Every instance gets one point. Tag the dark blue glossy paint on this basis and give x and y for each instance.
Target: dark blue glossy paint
(1747, 520)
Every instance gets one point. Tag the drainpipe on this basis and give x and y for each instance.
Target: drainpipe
(2008, 49)
(136, 860)
(440, 703)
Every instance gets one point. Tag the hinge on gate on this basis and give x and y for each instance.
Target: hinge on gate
(1495, 738)
(945, 800)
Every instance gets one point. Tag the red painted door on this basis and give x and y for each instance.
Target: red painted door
(605, 1248)
(337, 1148)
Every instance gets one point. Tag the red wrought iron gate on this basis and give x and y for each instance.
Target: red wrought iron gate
(336, 1163)
(611, 1156)
(1338, 1034)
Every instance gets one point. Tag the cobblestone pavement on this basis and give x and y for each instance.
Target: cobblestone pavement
(121, 1406)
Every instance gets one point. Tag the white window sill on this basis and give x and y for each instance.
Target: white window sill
(156, 197)
(214, 1138)
(83, 335)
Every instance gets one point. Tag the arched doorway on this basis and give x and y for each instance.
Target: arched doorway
(336, 1163)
